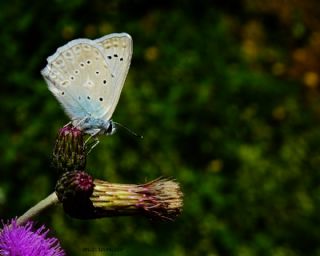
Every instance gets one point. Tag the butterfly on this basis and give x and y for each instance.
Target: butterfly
(87, 76)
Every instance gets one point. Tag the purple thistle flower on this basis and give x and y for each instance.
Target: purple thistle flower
(23, 240)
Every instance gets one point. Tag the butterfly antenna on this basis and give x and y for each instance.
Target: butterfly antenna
(128, 130)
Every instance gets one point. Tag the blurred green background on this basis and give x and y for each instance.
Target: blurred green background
(226, 94)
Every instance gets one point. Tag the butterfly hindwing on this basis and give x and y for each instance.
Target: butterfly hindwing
(83, 77)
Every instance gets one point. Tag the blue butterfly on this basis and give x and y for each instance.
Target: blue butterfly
(87, 76)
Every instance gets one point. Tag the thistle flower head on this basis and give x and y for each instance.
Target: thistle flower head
(73, 190)
(73, 185)
(69, 152)
(85, 198)
(24, 240)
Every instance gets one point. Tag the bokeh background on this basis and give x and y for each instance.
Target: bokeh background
(226, 94)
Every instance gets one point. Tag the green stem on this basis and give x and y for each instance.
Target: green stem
(50, 200)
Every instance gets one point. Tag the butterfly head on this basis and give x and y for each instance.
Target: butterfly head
(95, 126)
(108, 128)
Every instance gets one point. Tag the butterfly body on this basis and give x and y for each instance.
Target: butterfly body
(95, 126)
(87, 77)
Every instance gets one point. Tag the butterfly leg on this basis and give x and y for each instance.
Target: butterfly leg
(96, 140)
(92, 135)
(77, 123)
(94, 144)
(67, 124)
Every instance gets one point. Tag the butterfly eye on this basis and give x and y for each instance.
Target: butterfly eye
(109, 129)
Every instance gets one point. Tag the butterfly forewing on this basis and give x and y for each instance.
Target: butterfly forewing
(118, 53)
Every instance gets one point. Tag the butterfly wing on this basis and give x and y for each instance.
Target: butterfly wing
(83, 79)
(118, 53)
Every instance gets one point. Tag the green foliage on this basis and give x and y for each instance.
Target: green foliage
(216, 110)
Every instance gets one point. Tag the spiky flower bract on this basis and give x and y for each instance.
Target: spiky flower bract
(69, 152)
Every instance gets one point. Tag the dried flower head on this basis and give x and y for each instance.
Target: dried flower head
(158, 199)
(23, 240)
